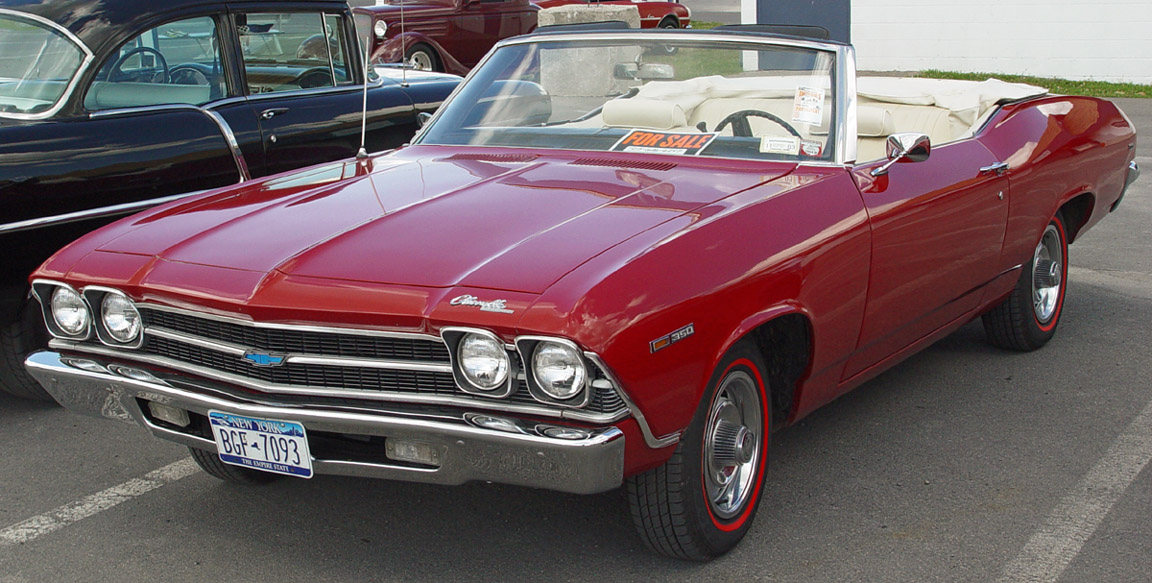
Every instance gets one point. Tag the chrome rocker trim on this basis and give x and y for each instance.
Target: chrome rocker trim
(520, 457)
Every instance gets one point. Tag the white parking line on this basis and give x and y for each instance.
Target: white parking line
(69, 513)
(1052, 548)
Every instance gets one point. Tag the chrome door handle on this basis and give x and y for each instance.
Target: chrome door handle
(999, 168)
(273, 112)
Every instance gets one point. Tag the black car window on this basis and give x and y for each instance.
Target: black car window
(177, 62)
(293, 51)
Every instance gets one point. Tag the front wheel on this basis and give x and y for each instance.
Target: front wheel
(422, 58)
(17, 340)
(1027, 319)
(210, 462)
(701, 502)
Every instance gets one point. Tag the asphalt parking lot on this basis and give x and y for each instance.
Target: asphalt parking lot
(964, 463)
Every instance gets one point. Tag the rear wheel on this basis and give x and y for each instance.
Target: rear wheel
(210, 463)
(17, 340)
(422, 58)
(1027, 319)
(701, 502)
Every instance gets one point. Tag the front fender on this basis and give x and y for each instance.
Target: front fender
(393, 49)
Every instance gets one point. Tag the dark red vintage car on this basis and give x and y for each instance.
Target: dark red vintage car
(629, 276)
(653, 13)
(443, 35)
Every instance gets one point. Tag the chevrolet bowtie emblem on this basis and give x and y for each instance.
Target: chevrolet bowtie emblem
(265, 358)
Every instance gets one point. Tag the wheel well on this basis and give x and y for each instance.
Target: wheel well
(1077, 212)
(668, 18)
(786, 343)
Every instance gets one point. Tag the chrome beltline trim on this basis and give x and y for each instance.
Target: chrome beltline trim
(649, 438)
(295, 327)
(59, 344)
(117, 209)
(142, 109)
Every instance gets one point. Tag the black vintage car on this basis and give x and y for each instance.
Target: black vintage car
(113, 106)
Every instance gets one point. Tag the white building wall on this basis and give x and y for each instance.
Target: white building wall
(1105, 40)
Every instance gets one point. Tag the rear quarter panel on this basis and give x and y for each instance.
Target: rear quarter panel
(799, 244)
(1058, 148)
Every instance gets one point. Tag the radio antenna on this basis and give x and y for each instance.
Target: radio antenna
(403, 57)
(363, 153)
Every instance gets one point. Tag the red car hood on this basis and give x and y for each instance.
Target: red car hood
(429, 216)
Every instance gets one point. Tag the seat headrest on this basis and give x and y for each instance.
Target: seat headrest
(874, 122)
(653, 114)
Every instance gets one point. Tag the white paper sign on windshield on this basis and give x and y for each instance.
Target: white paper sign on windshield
(808, 106)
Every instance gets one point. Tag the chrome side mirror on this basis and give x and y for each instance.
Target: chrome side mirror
(422, 118)
(905, 147)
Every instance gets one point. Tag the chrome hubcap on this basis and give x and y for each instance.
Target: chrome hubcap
(731, 444)
(1047, 275)
(420, 61)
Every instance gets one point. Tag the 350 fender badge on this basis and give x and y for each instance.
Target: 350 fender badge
(666, 341)
(265, 358)
(492, 306)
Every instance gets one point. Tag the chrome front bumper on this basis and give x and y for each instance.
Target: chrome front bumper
(1131, 176)
(519, 454)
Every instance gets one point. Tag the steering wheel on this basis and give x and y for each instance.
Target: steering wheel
(187, 75)
(115, 72)
(741, 127)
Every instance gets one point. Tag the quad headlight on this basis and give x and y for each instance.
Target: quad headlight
(555, 371)
(120, 318)
(558, 369)
(70, 312)
(483, 361)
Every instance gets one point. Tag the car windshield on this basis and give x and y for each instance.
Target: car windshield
(661, 94)
(37, 63)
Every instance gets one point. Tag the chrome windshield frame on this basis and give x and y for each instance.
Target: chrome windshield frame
(76, 75)
(843, 73)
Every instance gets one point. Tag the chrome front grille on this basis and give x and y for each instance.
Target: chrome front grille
(307, 375)
(377, 365)
(298, 340)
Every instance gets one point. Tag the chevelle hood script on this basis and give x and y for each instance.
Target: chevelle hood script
(434, 220)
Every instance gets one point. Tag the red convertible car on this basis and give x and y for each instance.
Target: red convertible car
(629, 276)
(653, 13)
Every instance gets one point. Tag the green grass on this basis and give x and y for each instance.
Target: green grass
(1059, 86)
(704, 25)
(692, 62)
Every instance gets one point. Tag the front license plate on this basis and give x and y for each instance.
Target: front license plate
(280, 447)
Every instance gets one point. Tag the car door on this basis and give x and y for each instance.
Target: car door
(147, 134)
(304, 85)
(937, 230)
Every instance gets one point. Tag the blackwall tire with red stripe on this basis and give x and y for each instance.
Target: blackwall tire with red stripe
(701, 502)
(1027, 319)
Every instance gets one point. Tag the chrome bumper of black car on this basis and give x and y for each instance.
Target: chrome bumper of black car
(469, 446)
